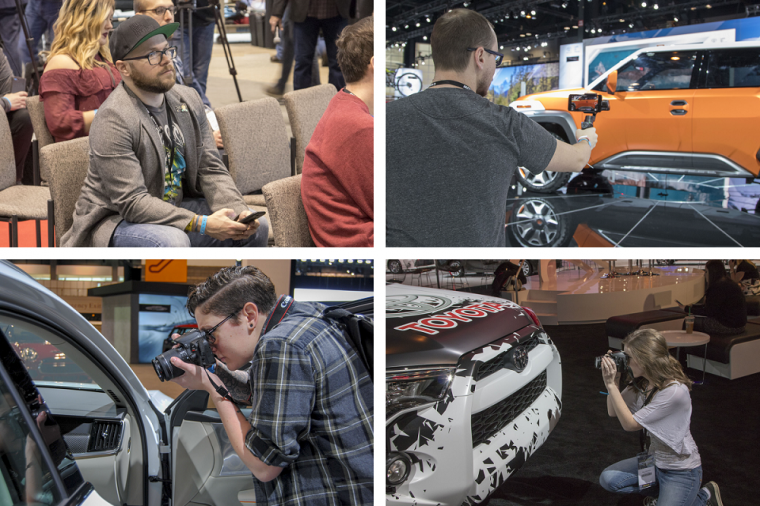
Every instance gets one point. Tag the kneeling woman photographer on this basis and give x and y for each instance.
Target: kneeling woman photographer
(658, 401)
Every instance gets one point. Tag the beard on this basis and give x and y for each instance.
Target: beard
(153, 85)
(484, 83)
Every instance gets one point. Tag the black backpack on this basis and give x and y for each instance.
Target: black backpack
(358, 328)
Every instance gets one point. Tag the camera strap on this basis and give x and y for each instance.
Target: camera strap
(643, 432)
(223, 392)
(281, 308)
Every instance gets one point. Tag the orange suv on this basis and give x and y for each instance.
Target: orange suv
(688, 109)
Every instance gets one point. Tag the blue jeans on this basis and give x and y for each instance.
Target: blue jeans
(41, 15)
(141, 235)
(306, 36)
(10, 28)
(673, 488)
(288, 49)
(203, 45)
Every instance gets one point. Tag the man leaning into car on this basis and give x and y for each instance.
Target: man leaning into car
(309, 436)
(451, 153)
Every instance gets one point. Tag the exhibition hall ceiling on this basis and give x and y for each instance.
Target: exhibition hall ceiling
(543, 20)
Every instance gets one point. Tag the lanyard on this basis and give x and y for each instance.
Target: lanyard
(453, 83)
(346, 90)
(170, 137)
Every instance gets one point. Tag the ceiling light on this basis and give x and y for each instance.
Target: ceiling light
(522, 13)
(656, 6)
(564, 5)
(675, 18)
(533, 12)
(643, 4)
(528, 16)
(708, 6)
(418, 24)
(424, 37)
(394, 28)
(630, 25)
(428, 19)
(593, 30)
(525, 58)
(406, 26)
(501, 47)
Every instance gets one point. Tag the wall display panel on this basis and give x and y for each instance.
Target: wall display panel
(509, 82)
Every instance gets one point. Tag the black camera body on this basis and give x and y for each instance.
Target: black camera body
(192, 348)
(620, 358)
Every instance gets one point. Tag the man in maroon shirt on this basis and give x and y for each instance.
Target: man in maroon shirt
(337, 184)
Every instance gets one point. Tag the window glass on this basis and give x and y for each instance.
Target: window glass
(669, 70)
(24, 476)
(46, 356)
(733, 68)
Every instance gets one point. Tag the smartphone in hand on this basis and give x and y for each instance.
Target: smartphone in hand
(251, 217)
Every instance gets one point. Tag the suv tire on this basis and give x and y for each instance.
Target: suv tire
(394, 267)
(546, 181)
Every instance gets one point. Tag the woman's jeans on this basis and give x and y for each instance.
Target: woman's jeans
(673, 488)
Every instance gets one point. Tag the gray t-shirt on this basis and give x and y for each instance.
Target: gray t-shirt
(450, 156)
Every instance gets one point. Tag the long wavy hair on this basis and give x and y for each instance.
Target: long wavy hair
(650, 350)
(78, 30)
(714, 271)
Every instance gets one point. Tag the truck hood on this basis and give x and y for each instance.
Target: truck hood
(428, 327)
(553, 94)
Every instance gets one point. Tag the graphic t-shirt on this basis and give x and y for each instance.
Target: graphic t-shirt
(172, 174)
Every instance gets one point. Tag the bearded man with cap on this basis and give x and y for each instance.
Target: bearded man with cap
(155, 177)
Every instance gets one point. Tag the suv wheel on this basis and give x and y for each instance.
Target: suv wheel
(527, 269)
(546, 181)
(535, 223)
(456, 267)
(394, 266)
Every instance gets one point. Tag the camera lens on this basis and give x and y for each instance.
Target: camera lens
(163, 365)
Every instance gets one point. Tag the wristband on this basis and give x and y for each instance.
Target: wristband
(10, 104)
(583, 137)
(94, 112)
(203, 225)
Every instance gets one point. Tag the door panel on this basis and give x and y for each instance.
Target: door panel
(727, 112)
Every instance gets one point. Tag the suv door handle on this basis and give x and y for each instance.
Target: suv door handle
(678, 112)
(679, 103)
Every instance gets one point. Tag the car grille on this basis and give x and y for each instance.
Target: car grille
(488, 368)
(490, 421)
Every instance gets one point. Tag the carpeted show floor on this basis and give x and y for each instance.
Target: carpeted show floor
(725, 424)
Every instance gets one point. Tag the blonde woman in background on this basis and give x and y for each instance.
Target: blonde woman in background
(657, 401)
(79, 74)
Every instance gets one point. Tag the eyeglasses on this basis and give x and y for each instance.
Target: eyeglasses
(160, 11)
(155, 57)
(499, 56)
(209, 334)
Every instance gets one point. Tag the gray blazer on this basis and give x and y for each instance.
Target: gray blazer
(125, 180)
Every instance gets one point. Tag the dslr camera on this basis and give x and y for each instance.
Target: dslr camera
(620, 358)
(192, 348)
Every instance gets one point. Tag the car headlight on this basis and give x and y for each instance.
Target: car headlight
(412, 388)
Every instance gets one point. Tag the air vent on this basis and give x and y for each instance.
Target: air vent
(114, 397)
(104, 436)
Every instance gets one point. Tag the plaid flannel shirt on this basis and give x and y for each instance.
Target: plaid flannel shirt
(312, 413)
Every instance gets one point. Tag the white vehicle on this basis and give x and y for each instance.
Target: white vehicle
(473, 389)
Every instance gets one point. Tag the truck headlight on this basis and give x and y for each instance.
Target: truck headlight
(412, 388)
(397, 469)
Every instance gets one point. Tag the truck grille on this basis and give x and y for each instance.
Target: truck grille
(491, 420)
(488, 368)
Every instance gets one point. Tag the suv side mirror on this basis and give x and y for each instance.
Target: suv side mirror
(612, 82)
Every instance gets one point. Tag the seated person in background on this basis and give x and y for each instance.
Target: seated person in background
(163, 12)
(79, 75)
(14, 106)
(337, 184)
(743, 270)
(725, 308)
(155, 177)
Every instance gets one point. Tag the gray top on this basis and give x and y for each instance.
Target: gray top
(667, 417)
(450, 158)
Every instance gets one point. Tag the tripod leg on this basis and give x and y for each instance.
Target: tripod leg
(226, 46)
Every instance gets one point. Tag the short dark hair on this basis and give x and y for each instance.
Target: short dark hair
(355, 49)
(454, 32)
(227, 291)
(714, 271)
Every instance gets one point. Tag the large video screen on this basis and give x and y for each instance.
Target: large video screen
(507, 81)
(159, 314)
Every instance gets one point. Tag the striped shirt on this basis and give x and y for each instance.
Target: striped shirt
(312, 413)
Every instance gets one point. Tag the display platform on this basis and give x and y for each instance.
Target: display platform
(638, 210)
(588, 295)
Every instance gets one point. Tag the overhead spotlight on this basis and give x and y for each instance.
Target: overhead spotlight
(501, 47)
(424, 37)
(522, 13)
(621, 20)
(643, 4)
(428, 19)
(418, 24)
(502, 20)
(675, 18)
(406, 26)
(656, 6)
(525, 58)
(528, 48)
(630, 25)
(466, 4)
(533, 13)
(394, 28)
(564, 5)
(708, 6)
(567, 28)
(593, 30)
(528, 16)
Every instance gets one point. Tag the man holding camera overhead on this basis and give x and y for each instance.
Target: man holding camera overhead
(451, 153)
(309, 436)
(155, 177)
